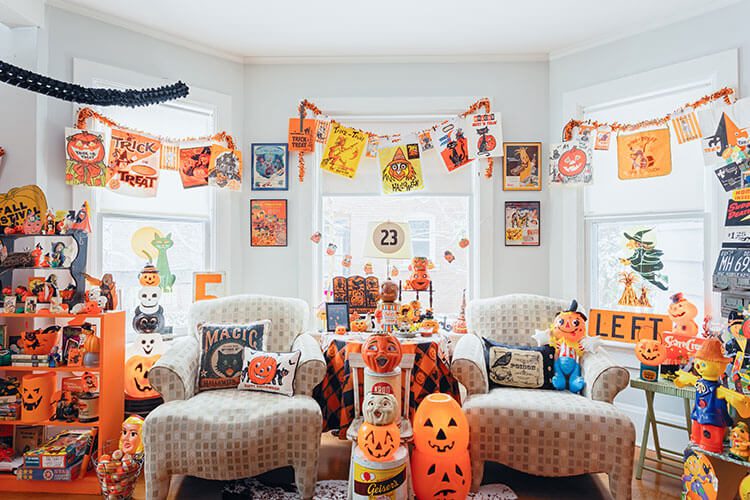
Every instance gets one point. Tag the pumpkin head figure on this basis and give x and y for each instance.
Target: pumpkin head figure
(149, 276)
(380, 409)
(420, 278)
(261, 369)
(32, 224)
(379, 442)
(40, 341)
(130, 437)
(570, 324)
(649, 351)
(443, 478)
(36, 396)
(389, 291)
(440, 426)
(137, 385)
(682, 312)
(360, 325)
(381, 353)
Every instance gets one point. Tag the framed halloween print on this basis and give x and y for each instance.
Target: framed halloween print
(522, 223)
(268, 223)
(337, 314)
(270, 167)
(521, 169)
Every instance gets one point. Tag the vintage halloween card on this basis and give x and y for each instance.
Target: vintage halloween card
(343, 150)
(401, 168)
(135, 161)
(86, 154)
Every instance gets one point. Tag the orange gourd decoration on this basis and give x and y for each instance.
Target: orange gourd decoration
(379, 442)
(137, 385)
(16, 204)
(440, 426)
(40, 341)
(36, 396)
(381, 353)
(91, 344)
(443, 478)
(261, 369)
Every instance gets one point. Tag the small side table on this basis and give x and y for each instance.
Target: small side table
(664, 456)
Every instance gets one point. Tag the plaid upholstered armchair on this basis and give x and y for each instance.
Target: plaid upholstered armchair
(547, 433)
(230, 434)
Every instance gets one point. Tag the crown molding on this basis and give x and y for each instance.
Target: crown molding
(397, 59)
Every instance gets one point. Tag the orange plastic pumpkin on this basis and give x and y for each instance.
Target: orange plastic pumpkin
(261, 369)
(16, 203)
(36, 396)
(379, 442)
(137, 385)
(40, 341)
(440, 426)
(381, 352)
(649, 351)
(446, 478)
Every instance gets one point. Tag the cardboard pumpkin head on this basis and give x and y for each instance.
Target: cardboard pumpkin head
(360, 325)
(570, 324)
(379, 443)
(649, 351)
(380, 409)
(446, 478)
(36, 396)
(261, 369)
(40, 341)
(440, 426)
(381, 353)
(137, 385)
(130, 437)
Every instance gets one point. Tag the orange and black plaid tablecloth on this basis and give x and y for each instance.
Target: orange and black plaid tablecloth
(335, 395)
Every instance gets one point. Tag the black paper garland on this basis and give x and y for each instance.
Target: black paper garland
(71, 92)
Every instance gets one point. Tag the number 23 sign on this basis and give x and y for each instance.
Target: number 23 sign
(390, 238)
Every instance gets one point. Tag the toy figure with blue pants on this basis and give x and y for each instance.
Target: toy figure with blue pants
(568, 374)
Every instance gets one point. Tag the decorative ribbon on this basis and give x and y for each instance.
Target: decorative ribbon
(724, 94)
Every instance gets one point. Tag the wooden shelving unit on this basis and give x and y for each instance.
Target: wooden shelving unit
(111, 331)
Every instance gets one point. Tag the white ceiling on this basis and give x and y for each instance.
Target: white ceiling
(278, 30)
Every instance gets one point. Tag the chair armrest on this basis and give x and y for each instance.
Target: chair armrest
(174, 375)
(312, 365)
(604, 379)
(468, 364)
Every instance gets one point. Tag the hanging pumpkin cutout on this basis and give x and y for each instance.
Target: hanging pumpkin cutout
(446, 478)
(381, 353)
(440, 426)
(40, 341)
(137, 385)
(36, 396)
(379, 442)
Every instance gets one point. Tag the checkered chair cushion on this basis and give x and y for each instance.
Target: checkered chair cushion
(549, 433)
(232, 434)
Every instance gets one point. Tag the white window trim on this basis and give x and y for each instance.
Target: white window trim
(86, 73)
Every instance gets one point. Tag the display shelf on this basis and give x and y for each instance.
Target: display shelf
(41, 314)
(35, 268)
(721, 456)
(65, 369)
(87, 485)
(50, 423)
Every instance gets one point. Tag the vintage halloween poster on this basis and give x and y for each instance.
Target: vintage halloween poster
(723, 128)
(225, 168)
(522, 223)
(401, 168)
(194, 162)
(570, 163)
(268, 223)
(86, 157)
(685, 126)
(521, 166)
(270, 167)
(644, 154)
(343, 150)
(603, 138)
(134, 160)
(485, 135)
(301, 136)
(451, 143)
(425, 140)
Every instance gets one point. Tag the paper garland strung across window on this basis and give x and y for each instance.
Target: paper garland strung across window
(19, 77)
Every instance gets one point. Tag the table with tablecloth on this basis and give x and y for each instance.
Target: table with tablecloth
(431, 373)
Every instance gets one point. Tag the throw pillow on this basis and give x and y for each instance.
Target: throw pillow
(269, 371)
(519, 366)
(222, 348)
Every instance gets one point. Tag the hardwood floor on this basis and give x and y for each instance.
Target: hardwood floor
(334, 464)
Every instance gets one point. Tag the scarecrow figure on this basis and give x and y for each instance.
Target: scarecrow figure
(646, 259)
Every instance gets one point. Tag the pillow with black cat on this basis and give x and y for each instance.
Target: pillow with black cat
(222, 348)
(519, 366)
(269, 371)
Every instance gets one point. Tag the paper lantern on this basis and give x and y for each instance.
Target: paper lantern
(381, 353)
(36, 396)
(130, 438)
(440, 426)
(380, 409)
(137, 385)
(40, 341)
(379, 442)
(446, 478)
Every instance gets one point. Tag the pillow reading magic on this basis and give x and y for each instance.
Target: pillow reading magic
(222, 348)
(269, 371)
(519, 366)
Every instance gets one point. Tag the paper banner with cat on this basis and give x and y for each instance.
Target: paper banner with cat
(644, 154)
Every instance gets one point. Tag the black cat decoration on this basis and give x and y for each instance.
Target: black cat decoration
(222, 348)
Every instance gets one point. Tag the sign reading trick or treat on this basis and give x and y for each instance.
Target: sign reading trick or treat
(134, 161)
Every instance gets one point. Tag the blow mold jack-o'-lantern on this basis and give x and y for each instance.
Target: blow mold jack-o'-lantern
(36, 396)
(130, 437)
(380, 409)
(649, 351)
(440, 426)
(446, 478)
(420, 277)
(379, 442)
(682, 312)
(381, 353)
(40, 341)
(137, 385)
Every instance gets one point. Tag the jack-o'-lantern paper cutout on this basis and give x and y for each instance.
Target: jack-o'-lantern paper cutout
(381, 353)
(379, 442)
(36, 396)
(570, 162)
(130, 437)
(446, 478)
(440, 426)
(137, 385)
(40, 341)
(86, 157)
(380, 409)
